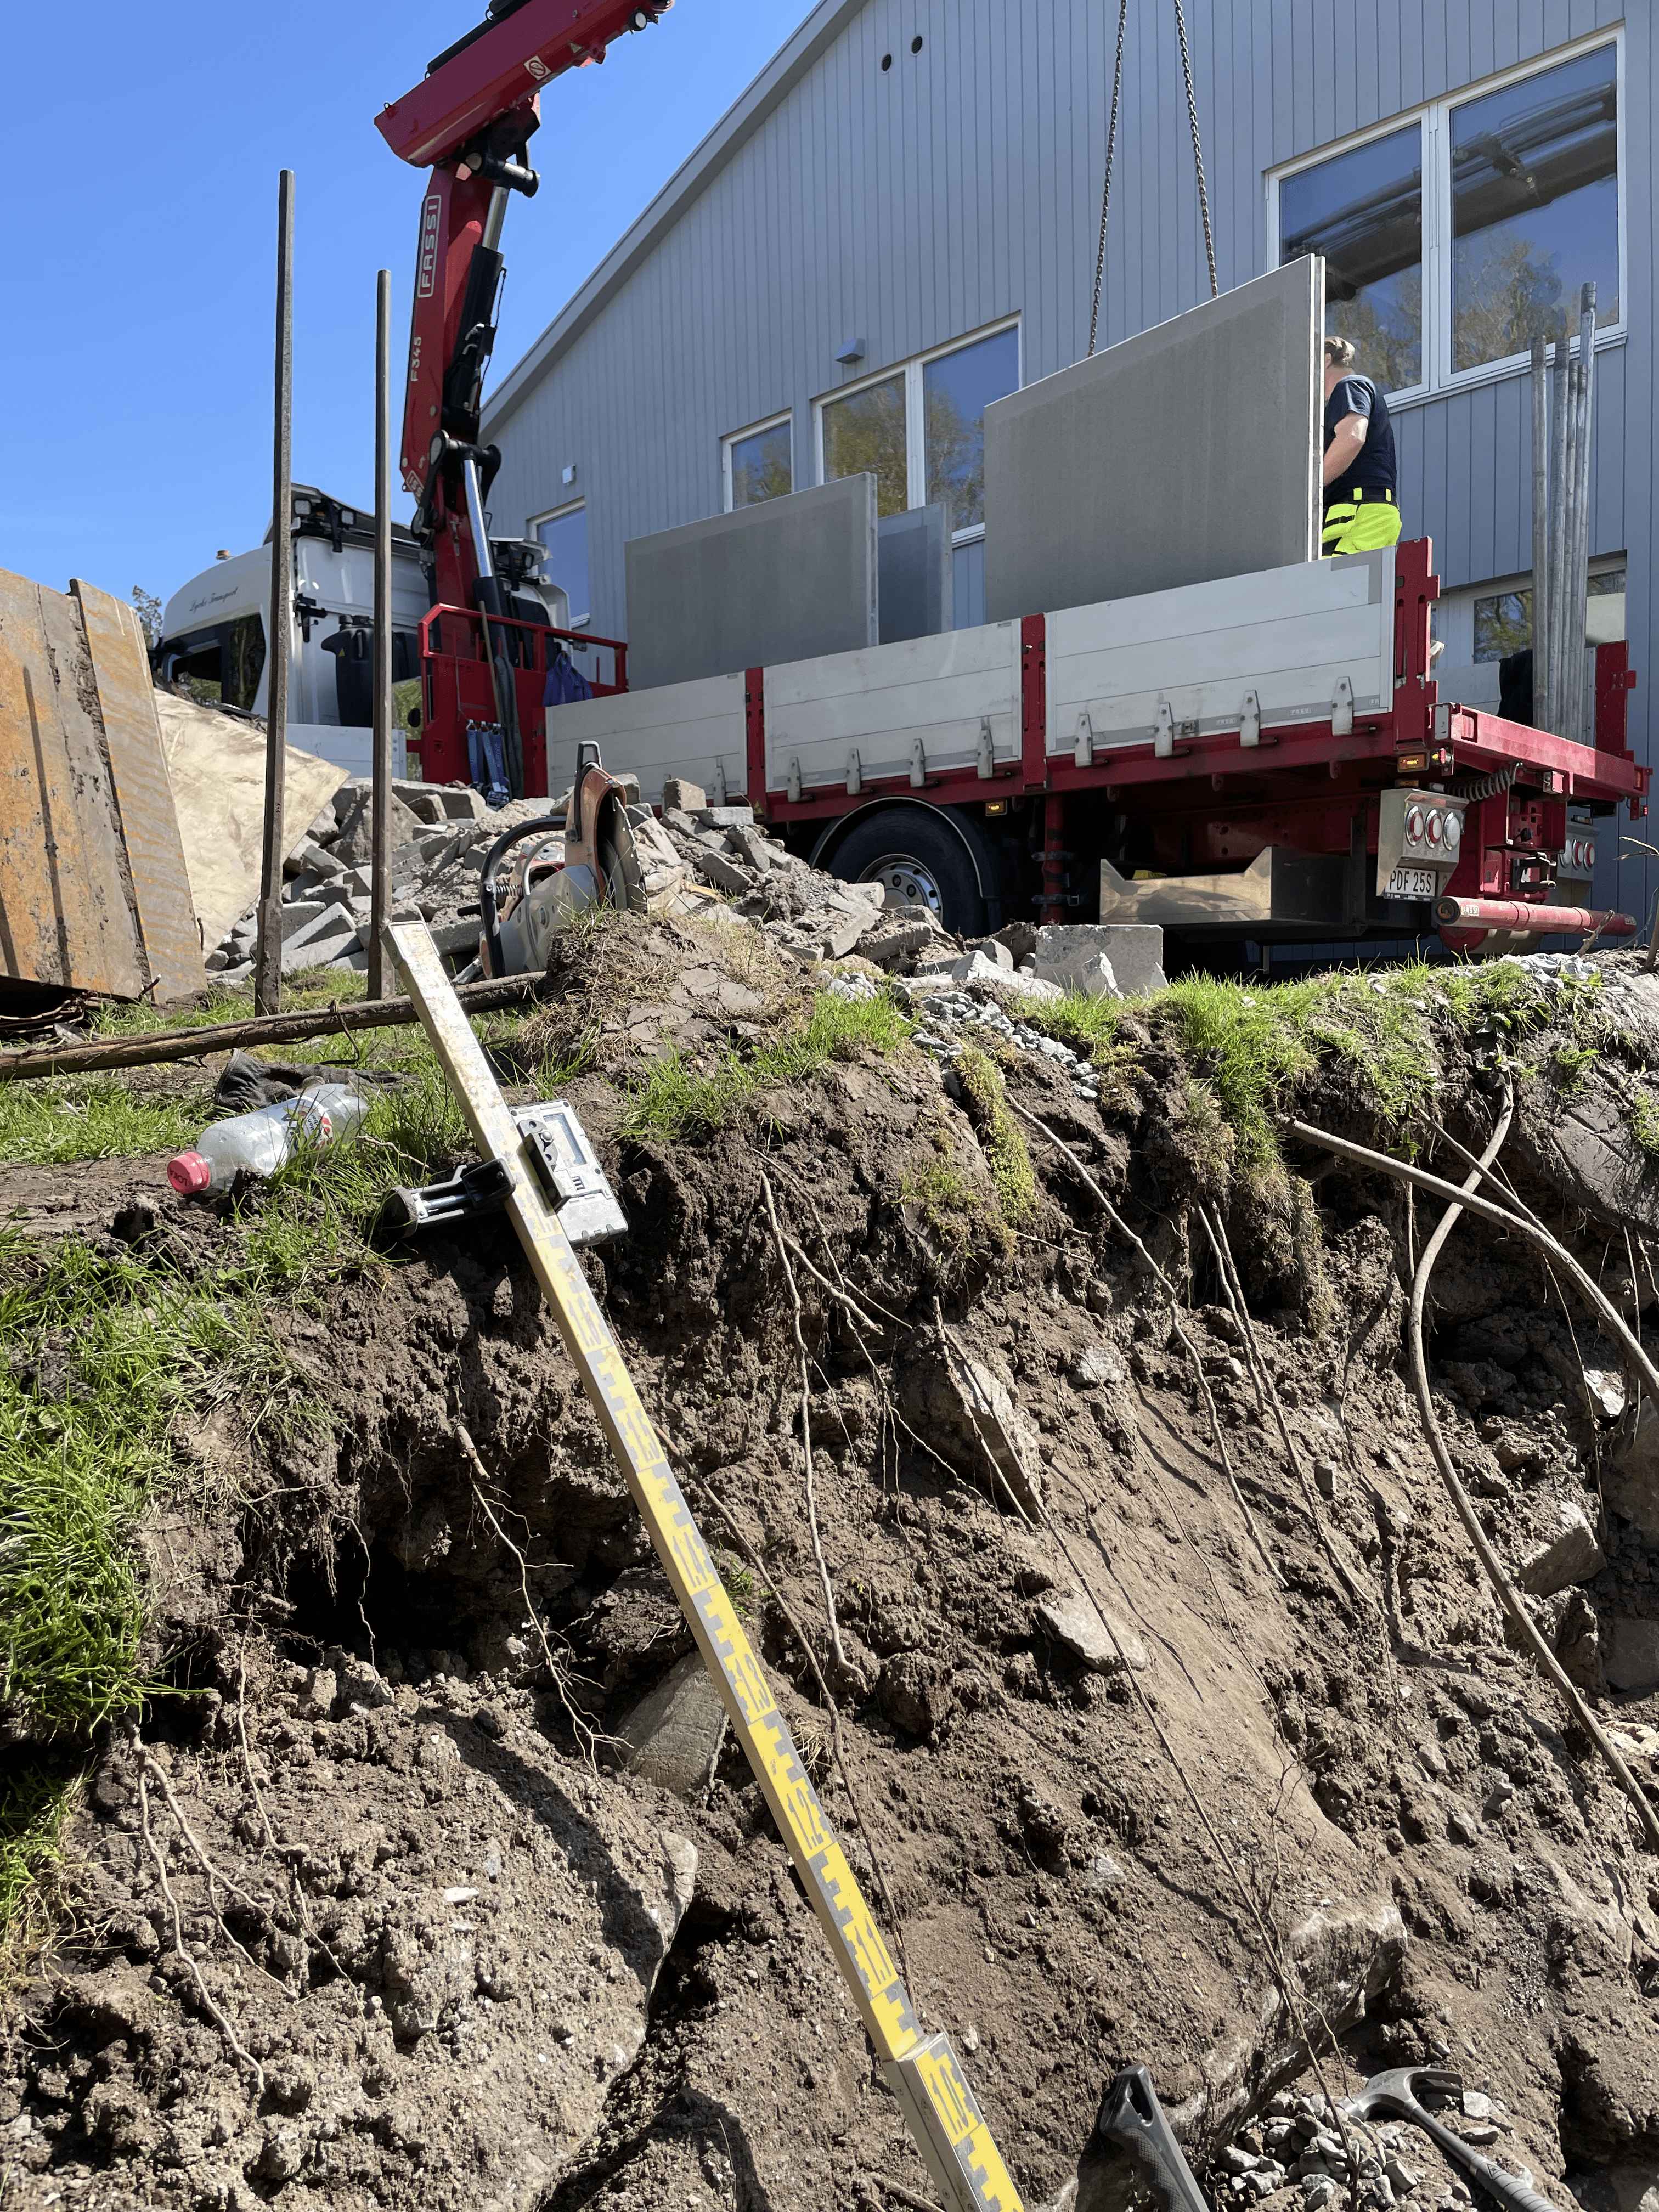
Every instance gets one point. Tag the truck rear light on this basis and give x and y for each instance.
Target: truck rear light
(1454, 831)
(1433, 827)
(1415, 825)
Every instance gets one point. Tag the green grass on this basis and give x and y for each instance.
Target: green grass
(1088, 1025)
(999, 1135)
(1255, 1046)
(35, 1803)
(106, 1358)
(95, 1117)
(678, 1099)
(1644, 1123)
(217, 1005)
(952, 1203)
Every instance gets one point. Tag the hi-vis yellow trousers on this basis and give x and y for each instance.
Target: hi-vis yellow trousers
(1365, 524)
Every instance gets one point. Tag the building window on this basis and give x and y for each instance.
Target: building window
(1451, 239)
(956, 389)
(1364, 211)
(864, 434)
(759, 464)
(919, 429)
(565, 536)
(1502, 620)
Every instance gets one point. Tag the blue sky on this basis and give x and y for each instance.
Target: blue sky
(137, 284)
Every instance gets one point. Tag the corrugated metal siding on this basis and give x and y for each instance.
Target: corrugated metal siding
(910, 207)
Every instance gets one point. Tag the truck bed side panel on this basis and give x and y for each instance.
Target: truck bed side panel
(942, 691)
(1288, 634)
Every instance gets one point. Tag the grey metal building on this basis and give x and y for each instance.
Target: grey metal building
(897, 223)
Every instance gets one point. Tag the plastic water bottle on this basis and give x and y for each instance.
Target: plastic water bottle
(267, 1139)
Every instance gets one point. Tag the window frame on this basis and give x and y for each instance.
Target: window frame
(915, 409)
(776, 421)
(532, 529)
(1433, 118)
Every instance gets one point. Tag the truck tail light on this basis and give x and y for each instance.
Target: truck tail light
(1434, 825)
(1454, 831)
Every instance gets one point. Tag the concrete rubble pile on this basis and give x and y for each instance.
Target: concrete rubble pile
(439, 834)
(695, 855)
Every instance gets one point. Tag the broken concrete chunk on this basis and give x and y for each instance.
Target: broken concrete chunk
(354, 847)
(1560, 1556)
(674, 1730)
(679, 793)
(1101, 1645)
(717, 868)
(1071, 953)
(309, 857)
(898, 933)
(722, 817)
(748, 842)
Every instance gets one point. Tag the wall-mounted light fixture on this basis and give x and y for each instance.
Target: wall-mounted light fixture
(567, 473)
(852, 351)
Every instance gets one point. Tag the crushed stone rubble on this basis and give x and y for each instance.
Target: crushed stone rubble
(1298, 2144)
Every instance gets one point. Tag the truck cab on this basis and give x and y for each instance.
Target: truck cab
(214, 630)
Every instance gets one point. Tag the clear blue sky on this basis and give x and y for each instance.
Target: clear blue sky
(137, 279)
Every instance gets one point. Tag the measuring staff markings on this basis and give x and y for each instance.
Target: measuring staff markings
(939, 2107)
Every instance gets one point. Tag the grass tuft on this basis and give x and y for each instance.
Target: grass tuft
(1000, 1134)
(95, 1117)
(35, 1803)
(678, 1099)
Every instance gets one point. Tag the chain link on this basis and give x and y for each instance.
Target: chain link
(1106, 193)
(1198, 149)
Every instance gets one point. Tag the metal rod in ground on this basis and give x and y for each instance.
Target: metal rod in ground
(267, 946)
(1558, 514)
(1540, 530)
(1566, 539)
(379, 888)
(1583, 689)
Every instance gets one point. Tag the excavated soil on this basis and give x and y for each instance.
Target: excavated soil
(371, 1914)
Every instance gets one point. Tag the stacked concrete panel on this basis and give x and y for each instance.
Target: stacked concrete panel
(913, 560)
(1188, 453)
(788, 580)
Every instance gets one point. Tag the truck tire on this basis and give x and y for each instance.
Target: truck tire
(922, 858)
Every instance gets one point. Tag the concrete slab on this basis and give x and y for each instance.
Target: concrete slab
(1074, 955)
(1186, 453)
(913, 564)
(788, 580)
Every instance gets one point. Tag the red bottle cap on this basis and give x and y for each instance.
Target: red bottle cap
(189, 1173)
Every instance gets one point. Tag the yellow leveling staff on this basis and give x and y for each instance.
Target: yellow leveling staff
(939, 2106)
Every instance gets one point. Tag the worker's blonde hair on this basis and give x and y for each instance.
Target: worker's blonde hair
(1339, 352)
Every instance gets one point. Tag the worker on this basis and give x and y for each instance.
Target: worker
(1361, 512)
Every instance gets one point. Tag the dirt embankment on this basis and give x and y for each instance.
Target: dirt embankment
(1158, 1764)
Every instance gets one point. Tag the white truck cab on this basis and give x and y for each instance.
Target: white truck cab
(213, 630)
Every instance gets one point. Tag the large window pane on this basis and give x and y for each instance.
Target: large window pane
(864, 434)
(565, 536)
(1534, 207)
(1364, 211)
(762, 466)
(956, 389)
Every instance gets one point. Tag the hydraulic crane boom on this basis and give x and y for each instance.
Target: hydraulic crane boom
(471, 121)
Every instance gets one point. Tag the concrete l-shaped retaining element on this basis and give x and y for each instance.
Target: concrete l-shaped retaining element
(1184, 454)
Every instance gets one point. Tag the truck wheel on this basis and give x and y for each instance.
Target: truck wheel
(920, 860)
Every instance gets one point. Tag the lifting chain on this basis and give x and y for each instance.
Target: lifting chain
(1106, 193)
(1111, 150)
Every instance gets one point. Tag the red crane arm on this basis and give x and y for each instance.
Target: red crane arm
(499, 66)
(471, 120)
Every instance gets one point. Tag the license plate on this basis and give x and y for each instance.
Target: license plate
(1413, 883)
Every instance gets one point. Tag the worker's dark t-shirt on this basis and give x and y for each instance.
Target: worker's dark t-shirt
(1374, 469)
